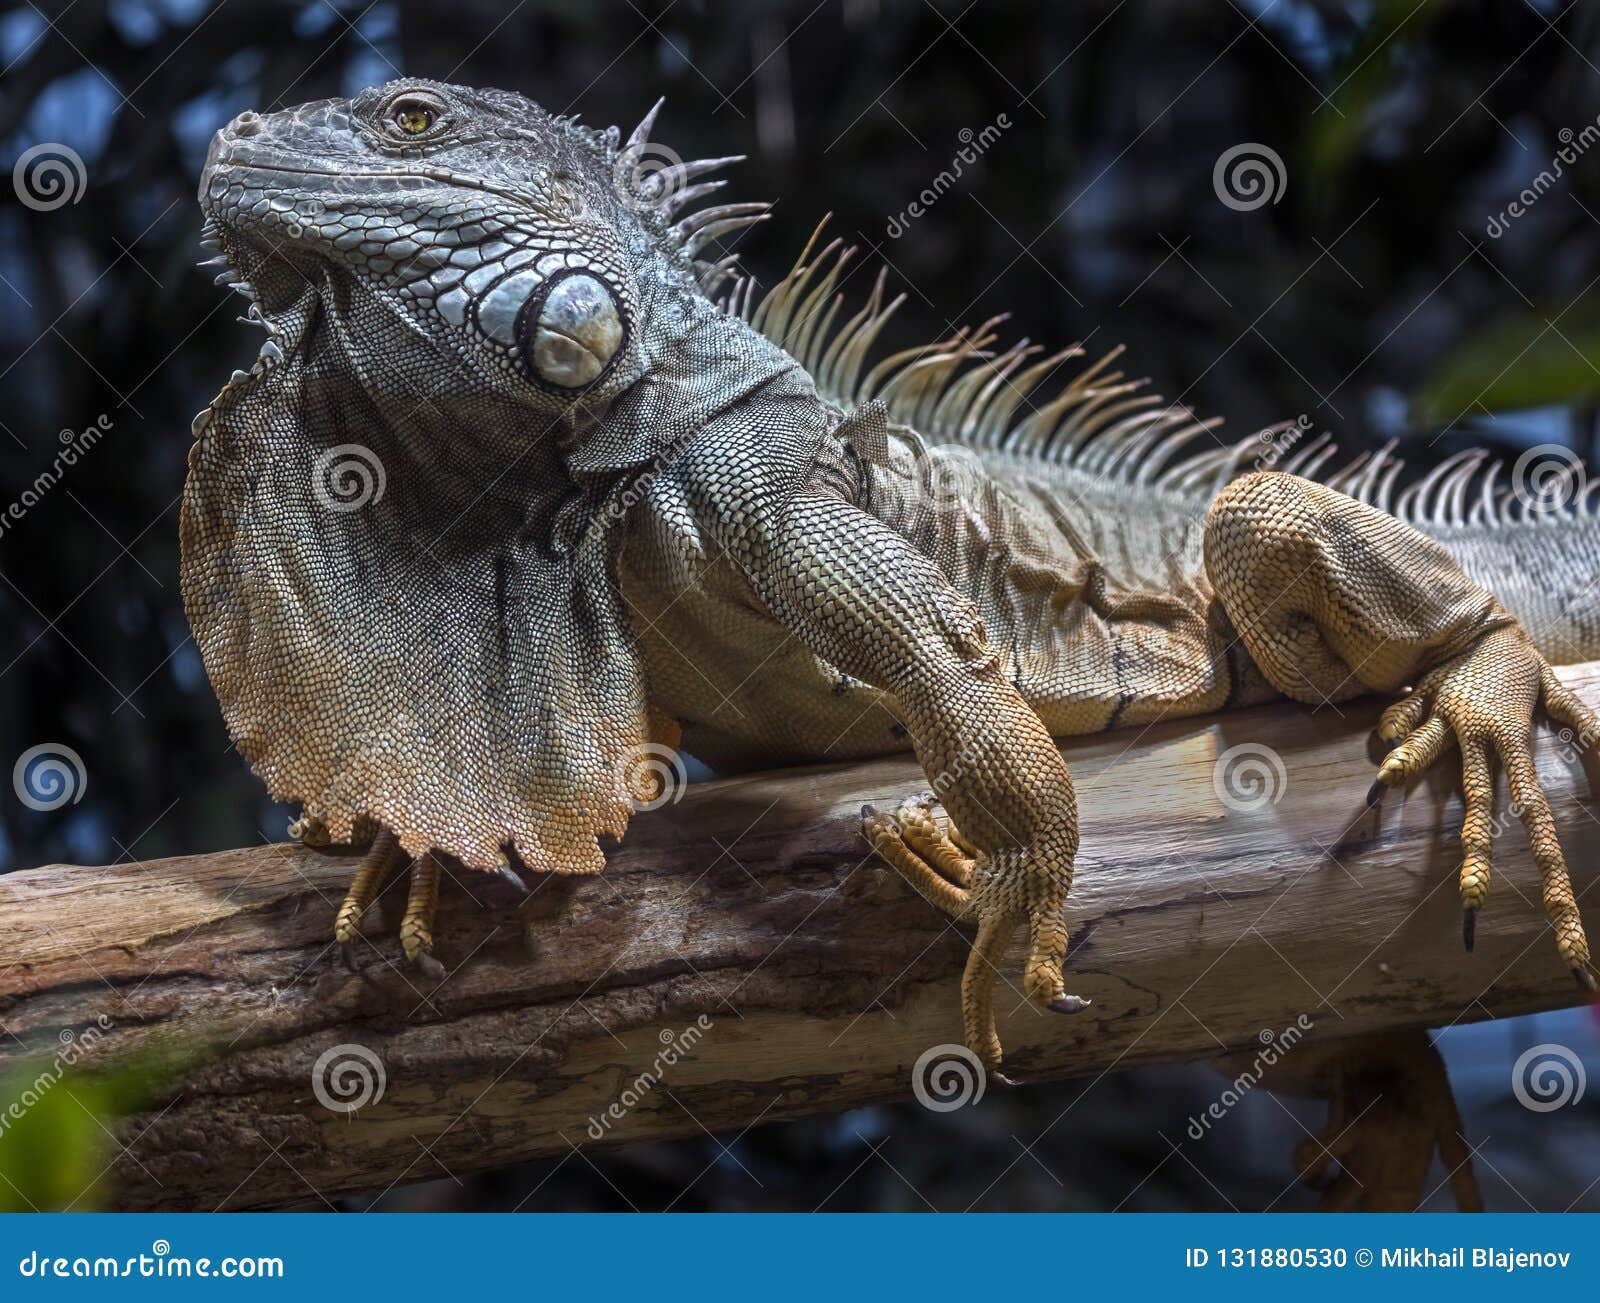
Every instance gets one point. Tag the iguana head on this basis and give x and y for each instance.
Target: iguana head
(483, 223)
(397, 547)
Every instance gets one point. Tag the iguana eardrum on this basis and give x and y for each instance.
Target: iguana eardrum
(609, 495)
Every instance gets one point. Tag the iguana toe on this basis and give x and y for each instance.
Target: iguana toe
(924, 857)
(381, 856)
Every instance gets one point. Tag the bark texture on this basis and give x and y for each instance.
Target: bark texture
(746, 932)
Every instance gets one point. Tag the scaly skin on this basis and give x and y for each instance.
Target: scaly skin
(613, 504)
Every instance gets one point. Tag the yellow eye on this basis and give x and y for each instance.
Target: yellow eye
(413, 119)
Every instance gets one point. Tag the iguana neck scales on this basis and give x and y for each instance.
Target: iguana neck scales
(522, 484)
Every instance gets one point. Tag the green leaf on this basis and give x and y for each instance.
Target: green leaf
(57, 1124)
(1513, 364)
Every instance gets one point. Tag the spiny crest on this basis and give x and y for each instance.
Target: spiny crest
(1099, 422)
(1465, 491)
(963, 390)
(659, 187)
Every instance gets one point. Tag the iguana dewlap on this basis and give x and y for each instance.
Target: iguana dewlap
(521, 480)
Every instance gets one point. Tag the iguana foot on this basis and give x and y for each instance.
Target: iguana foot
(931, 854)
(1390, 1107)
(375, 866)
(1484, 702)
(416, 927)
(927, 857)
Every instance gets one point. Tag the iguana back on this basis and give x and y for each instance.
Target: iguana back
(1021, 472)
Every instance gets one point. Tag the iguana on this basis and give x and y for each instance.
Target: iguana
(526, 483)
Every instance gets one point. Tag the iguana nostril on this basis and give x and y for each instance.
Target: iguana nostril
(247, 123)
(577, 333)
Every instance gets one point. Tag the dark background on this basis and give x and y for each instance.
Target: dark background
(1369, 298)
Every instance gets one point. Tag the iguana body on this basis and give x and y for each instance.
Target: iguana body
(620, 499)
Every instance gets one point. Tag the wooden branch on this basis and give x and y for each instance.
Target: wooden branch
(812, 977)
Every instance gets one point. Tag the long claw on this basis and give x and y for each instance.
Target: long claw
(1375, 794)
(364, 887)
(1469, 926)
(1584, 976)
(347, 956)
(505, 871)
(1000, 1079)
(416, 928)
(1069, 1004)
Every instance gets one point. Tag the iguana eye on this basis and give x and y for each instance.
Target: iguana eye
(412, 115)
(413, 119)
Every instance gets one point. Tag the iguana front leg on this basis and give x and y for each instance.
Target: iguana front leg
(1333, 597)
(863, 599)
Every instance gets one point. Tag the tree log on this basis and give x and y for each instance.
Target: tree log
(747, 925)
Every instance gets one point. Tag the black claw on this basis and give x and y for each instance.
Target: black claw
(429, 967)
(1375, 794)
(1393, 743)
(347, 956)
(1469, 926)
(1584, 976)
(999, 1078)
(512, 876)
(1070, 1004)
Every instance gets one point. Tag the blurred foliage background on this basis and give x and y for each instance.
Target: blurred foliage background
(1376, 296)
